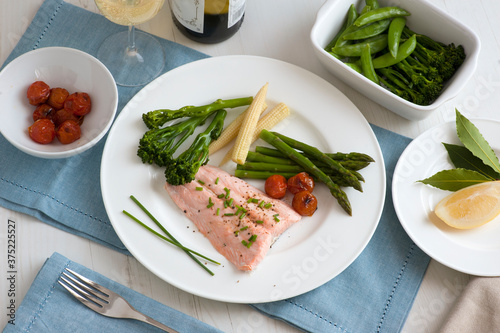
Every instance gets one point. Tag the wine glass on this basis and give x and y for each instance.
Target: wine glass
(134, 58)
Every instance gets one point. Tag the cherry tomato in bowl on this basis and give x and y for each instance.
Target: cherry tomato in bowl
(38, 92)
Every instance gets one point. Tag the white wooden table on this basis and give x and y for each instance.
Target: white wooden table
(276, 29)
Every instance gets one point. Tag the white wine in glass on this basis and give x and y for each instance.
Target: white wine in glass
(134, 58)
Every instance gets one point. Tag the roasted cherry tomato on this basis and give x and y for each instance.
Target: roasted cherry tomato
(38, 92)
(57, 98)
(304, 203)
(42, 131)
(62, 115)
(78, 103)
(275, 186)
(43, 111)
(68, 132)
(300, 182)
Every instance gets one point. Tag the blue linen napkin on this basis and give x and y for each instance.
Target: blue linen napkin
(48, 307)
(66, 193)
(374, 294)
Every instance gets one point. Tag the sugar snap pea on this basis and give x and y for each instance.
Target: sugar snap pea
(380, 14)
(372, 3)
(404, 51)
(367, 64)
(394, 34)
(352, 15)
(377, 44)
(367, 31)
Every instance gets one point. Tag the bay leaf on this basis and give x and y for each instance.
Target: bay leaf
(473, 140)
(461, 157)
(455, 179)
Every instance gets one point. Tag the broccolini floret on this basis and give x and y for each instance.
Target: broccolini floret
(157, 118)
(158, 145)
(183, 169)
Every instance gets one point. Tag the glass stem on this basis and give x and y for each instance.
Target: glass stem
(131, 49)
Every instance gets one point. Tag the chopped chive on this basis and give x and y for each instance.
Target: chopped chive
(217, 212)
(244, 242)
(261, 204)
(268, 205)
(216, 180)
(228, 191)
(259, 221)
(244, 228)
(249, 200)
(242, 215)
(253, 238)
(254, 200)
(229, 214)
(276, 218)
(225, 204)
(220, 196)
(210, 203)
(231, 201)
(199, 188)
(201, 182)
(236, 232)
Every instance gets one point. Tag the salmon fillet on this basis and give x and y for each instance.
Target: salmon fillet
(239, 220)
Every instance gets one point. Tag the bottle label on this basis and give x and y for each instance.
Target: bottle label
(190, 13)
(236, 11)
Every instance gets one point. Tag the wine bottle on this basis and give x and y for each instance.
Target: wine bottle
(208, 21)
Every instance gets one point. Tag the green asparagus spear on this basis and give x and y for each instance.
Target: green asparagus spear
(353, 156)
(315, 153)
(262, 174)
(352, 165)
(313, 170)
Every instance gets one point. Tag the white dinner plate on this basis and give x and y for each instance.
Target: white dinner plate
(475, 251)
(308, 254)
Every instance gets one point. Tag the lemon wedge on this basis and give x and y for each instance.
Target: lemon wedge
(470, 207)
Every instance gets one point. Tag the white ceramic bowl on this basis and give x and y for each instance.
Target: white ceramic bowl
(425, 18)
(74, 70)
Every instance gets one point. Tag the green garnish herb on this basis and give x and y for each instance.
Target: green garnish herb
(253, 238)
(242, 215)
(228, 191)
(210, 203)
(228, 214)
(261, 204)
(170, 239)
(199, 188)
(259, 221)
(201, 182)
(276, 218)
(217, 211)
(216, 180)
(244, 228)
(268, 205)
(231, 202)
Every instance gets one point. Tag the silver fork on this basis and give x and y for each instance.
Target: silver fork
(103, 300)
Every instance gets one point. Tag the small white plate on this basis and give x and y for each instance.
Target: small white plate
(308, 254)
(475, 251)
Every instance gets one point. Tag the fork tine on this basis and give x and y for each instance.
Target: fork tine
(94, 285)
(90, 304)
(84, 289)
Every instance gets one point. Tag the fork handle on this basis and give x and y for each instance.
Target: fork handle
(142, 317)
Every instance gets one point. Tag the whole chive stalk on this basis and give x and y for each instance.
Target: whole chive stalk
(172, 239)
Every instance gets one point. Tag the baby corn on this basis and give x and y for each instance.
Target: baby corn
(268, 121)
(243, 140)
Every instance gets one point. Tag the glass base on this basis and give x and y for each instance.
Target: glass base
(132, 67)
